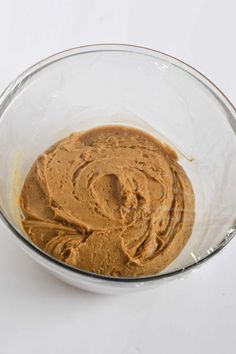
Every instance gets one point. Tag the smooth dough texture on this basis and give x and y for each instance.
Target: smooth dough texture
(112, 200)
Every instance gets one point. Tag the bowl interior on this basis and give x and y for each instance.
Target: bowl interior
(101, 85)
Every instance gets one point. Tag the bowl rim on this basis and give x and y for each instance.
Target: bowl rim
(9, 93)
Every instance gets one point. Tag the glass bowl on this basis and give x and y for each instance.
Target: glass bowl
(122, 84)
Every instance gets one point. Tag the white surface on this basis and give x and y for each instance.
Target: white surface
(39, 314)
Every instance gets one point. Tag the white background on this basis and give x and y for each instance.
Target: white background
(40, 314)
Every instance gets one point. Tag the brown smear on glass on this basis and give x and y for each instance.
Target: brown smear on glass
(112, 200)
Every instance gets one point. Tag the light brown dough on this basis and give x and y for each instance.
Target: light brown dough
(112, 200)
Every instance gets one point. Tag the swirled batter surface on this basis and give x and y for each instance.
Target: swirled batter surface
(112, 200)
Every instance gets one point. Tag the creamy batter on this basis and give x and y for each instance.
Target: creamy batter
(112, 200)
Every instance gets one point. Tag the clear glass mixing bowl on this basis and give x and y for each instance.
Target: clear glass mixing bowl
(122, 84)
